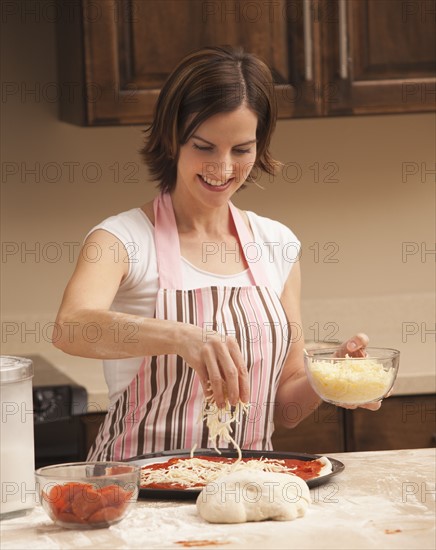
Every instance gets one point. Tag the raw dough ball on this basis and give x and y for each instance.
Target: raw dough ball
(253, 495)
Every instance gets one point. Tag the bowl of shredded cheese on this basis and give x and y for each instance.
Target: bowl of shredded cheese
(352, 380)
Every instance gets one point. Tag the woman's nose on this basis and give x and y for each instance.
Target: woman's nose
(228, 165)
(221, 169)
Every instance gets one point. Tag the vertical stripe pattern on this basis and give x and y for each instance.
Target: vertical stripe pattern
(160, 408)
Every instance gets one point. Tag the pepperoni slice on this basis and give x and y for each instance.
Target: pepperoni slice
(83, 503)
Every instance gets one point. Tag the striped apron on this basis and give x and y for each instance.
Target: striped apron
(161, 407)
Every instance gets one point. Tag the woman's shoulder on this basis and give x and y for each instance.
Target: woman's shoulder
(135, 217)
(128, 226)
(268, 227)
(132, 217)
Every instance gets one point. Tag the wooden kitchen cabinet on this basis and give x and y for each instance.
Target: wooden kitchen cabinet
(378, 56)
(403, 422)
(321, 432)
(328, 57)
(120, 52)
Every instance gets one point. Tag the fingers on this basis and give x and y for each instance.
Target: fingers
(214, 378)
(226, 371)
(370, 406)
(243, 382)
(206, 385)
(355, 346)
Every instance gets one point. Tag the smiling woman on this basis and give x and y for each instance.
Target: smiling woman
(212, 168)
(210, 322)
(209, 82)
(219, 167)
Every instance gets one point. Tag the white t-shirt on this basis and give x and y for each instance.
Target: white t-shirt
(274, 244)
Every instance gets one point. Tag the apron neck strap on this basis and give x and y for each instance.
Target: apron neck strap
(168, 245)
(257, 272)
(167, 242)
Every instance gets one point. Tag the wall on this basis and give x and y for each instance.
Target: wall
(58, 180)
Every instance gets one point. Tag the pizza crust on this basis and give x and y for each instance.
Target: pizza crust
(252, 495)
(327, 467)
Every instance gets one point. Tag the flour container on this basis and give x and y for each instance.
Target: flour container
(17, 463)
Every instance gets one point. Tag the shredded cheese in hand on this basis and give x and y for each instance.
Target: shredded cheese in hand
(196, 471)
(219, 420)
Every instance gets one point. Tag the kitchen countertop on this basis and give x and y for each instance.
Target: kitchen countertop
(383, 499)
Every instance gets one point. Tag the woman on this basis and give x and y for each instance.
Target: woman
(181, 307)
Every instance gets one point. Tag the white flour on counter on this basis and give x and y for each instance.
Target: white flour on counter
(381, 500)
(163, 527)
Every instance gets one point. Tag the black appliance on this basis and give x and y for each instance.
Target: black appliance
(58, 403)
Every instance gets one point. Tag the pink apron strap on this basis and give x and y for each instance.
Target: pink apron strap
(168, 245)
(258, 274)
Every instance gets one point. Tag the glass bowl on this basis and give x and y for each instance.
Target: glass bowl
(87, 495)
(352, 380)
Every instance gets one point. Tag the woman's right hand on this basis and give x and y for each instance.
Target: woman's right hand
(218, 361)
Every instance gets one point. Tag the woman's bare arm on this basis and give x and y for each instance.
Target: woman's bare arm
(295, 398)
(86, 327)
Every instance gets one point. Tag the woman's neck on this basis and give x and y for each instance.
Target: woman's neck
(192, 217)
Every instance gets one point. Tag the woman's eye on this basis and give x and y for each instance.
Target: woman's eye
(238, 151)
(202, 148)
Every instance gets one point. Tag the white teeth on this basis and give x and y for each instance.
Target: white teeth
(214, 183)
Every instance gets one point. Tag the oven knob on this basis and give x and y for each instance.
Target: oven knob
(44, 404)
(40, 403)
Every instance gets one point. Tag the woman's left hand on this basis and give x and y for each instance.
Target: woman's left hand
(355, 347)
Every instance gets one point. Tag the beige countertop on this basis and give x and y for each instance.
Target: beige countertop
(383, 499)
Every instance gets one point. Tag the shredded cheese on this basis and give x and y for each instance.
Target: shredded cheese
(194, 472)
(350, 381)
(197, 471)
(219, 420)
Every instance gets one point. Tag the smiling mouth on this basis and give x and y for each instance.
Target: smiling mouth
(214, 183)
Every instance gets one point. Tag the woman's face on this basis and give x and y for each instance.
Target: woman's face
(219, 156)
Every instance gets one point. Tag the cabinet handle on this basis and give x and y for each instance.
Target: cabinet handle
(308, 46)
(343, 45)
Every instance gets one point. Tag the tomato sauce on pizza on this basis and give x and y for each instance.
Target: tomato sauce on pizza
(305, 469)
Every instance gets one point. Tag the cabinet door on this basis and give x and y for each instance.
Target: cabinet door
(121, 51)
(407, 422)
(321, 432)
(378, 55)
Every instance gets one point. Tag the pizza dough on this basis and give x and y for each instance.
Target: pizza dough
(252, 495)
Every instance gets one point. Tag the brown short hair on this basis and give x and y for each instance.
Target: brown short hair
(208, 81)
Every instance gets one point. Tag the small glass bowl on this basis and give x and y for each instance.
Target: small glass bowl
(88, 495)
(352, 381)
